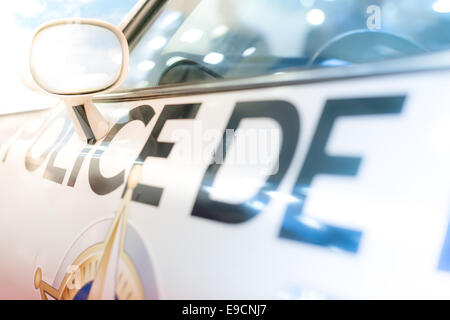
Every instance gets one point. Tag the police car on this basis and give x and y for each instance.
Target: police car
(213, 149)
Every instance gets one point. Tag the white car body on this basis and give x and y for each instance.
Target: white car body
(57, 198)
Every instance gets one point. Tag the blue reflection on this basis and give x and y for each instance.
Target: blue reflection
(444, 260)
(112, 11)
(312, 231)
(299, 227)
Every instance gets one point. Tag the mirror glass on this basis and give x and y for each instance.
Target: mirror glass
(76, 58)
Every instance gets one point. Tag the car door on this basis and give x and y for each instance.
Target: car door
(262, 175)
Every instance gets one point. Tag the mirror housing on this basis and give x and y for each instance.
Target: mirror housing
(75, 59)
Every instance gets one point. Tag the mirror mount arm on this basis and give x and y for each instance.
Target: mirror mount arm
(88, 122)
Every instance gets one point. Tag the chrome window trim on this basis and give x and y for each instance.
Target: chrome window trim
(131, 15)
(134, 23)
(432, 62)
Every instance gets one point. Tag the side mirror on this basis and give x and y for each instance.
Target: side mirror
(75, 59)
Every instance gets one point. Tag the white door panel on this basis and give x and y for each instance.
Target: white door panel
(396, 203)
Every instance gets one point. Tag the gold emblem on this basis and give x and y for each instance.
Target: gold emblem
(104, 270)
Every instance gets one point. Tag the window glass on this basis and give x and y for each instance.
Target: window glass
(207, 40)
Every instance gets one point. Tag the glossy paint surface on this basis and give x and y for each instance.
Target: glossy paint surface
(351, 200)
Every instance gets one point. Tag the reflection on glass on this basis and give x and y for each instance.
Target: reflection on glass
(76, 58)
(224, 39)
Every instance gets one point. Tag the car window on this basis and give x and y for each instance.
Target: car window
(208, 40)
(18, 20)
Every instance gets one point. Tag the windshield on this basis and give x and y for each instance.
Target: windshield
(207, 40)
